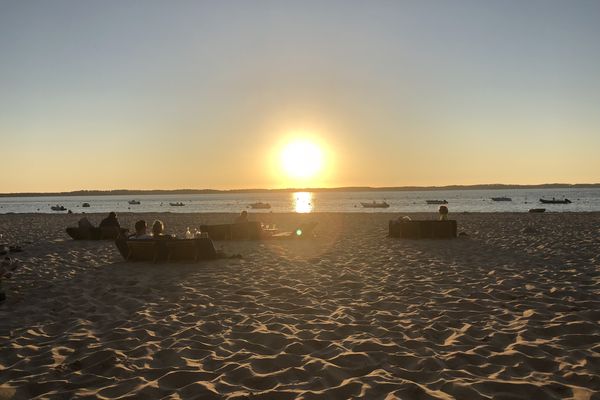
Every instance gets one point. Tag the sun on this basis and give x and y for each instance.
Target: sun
(301, 159)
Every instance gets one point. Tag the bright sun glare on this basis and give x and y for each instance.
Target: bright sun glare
(301, 159)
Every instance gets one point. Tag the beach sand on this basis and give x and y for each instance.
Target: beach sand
(511, 311)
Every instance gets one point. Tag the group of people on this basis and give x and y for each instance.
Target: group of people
(141, 228)
(158, 227)
(141, 231)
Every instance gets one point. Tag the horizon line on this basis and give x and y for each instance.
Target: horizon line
(489, 186)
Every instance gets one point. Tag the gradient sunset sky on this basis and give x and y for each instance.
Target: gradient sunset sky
(204, 94)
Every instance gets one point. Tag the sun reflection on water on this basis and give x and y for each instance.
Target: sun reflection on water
(303, 202)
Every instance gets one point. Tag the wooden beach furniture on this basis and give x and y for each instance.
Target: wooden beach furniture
(111, 232)
(182, 250)
(142, 250)
(424, 229)
(94, 233)
(254, 231)
(240, 231)
(169, 250)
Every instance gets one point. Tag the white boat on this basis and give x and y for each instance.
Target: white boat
(134, 202)
(375, 204)
(260, 205)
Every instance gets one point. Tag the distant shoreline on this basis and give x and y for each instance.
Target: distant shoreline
(289, 190)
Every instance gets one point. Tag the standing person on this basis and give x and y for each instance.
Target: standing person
(110, 221)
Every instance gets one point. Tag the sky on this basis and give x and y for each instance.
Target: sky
(205, 94)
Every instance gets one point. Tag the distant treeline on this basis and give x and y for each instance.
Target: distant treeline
(339, 189)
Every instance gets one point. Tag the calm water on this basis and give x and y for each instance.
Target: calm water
(459, 201)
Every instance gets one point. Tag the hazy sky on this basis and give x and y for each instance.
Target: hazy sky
(202, 94)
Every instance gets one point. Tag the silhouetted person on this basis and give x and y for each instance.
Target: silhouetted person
(443, 213)
(157, 230)
(110, 221)
(141, 231)
(242, 218)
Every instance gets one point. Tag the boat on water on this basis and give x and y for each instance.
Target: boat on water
(375, 204)
(134, 202)
(58, 208)
(501, 198)
(85, 205)
(260, 206)
(555, 201)
(178, 204)
(436, 201)
(537, 210)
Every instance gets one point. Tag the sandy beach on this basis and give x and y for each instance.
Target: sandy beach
(511, 311)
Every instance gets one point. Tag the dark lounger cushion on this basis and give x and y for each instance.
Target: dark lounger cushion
(93, 233)
(240, 231)
(167, 249)
(423, 229)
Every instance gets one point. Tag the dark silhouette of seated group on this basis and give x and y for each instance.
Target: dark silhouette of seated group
(159, 246)
(141, 246)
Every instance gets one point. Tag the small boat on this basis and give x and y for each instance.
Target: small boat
(260, 205)
(502, 198)
(436, 201)
(85, 205)
(375, 204)
(537, 210)
(58, 208)
(178, 204)
(555, 201)
(134, 202)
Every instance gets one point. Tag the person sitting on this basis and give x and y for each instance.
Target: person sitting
(84, 224)
(443, 213)
(6, 268)
(242, 218)
(157, 230)
(110, 221)
(141, 233)
(86, 229)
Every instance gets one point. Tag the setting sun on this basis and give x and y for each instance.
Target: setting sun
(301, 159)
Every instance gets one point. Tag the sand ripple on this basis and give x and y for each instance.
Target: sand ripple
(511, 312)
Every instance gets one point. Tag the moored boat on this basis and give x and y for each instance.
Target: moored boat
(436, 201)
(85, 205)
(260, 205)
(555, 201)
(178, 204)
(58, 208)
(134, 202)
(537, 210)
(375, 204)
(502, 198)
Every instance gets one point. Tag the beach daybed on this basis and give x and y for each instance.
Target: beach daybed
(169, 250)
(253, 231)
(95, 233)
(429, 229)
(239, 231)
